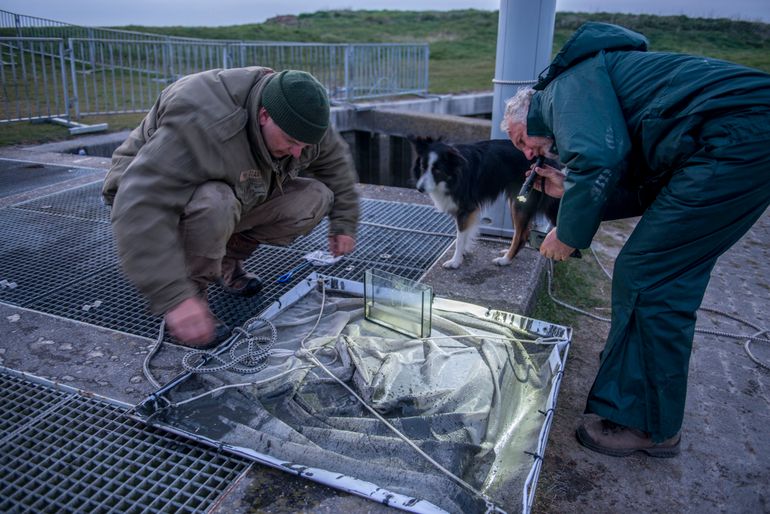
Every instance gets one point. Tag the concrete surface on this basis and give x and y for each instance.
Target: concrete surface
(725, 463)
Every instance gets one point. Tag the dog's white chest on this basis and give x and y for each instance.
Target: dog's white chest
(442, 199)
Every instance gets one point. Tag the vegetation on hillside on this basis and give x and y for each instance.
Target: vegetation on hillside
(463, 42)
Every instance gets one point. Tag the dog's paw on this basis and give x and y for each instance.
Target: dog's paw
(502, 261)
(452, 264)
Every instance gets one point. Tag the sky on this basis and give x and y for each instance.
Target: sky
(236, 12)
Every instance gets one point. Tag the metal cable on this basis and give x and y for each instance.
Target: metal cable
(151, 354)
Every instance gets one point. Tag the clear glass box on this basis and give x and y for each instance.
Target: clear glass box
(398, 303)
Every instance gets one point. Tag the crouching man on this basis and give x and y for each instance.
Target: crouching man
(211, 172)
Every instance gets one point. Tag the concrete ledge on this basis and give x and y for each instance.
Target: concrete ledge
(454, 129)
(511, 288)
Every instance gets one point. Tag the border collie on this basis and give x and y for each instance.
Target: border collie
(462, 178)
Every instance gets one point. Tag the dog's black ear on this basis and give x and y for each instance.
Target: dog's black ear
(420, 143)
(455, 160)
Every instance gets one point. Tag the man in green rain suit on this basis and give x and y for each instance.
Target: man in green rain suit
(682, 141)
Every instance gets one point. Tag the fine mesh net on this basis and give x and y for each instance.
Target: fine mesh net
(472, 396)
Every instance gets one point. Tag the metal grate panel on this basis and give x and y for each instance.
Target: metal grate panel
(384, 246)
(82, 203)
(104, 298)
(59, 253)
(19, 177)
(108, 299)
(41, 253)
(64, 453)
(404, 215)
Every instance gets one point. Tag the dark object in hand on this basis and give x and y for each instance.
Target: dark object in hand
(526, 187)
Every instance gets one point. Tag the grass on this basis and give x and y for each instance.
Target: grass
(578, 282)
(39, 133)
(462, 44)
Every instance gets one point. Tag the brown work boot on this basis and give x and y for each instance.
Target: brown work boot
(236, 280)
(604, 436)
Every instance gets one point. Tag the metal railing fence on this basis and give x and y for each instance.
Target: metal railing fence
(34, 80)
(89, 71)
(21, 25)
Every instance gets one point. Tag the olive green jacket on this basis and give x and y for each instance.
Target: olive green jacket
(205, 127)
(619, 113)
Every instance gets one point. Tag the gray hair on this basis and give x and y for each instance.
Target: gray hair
(516, 108)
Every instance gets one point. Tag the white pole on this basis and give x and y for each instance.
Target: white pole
(524, 45)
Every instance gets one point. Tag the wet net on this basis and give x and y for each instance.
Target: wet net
(454, 422)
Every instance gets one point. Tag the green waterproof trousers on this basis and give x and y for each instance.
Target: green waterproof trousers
(662, 272)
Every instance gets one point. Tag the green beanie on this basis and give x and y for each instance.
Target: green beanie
(298, 104)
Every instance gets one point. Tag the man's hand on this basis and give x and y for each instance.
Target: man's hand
(341, 244)
(554, 249)
(554, 180)
(190, 322)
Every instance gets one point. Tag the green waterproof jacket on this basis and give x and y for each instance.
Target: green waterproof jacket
(205, 127)
(618, 113)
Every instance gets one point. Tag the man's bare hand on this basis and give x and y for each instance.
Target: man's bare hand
(554, 180)
(190, 322)
(554, 249)
(341, 244)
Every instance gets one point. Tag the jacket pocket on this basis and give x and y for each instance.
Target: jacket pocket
(251, 189)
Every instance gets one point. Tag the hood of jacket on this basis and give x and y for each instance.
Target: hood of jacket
(588, 40)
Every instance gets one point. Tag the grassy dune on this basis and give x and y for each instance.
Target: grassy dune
(462, 45)
(463, 42)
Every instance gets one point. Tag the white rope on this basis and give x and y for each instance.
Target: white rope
(253, 360)
(748, 338)
(310, 355)
(433, 462)
(549, 273)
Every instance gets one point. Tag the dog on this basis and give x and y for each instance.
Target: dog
(463, 178)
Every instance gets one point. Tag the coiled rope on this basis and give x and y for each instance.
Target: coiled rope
(253, 360)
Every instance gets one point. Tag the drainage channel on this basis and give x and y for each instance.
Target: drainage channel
(62, 452)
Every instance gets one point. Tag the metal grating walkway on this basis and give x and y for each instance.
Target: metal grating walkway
(57, 256)
(61, 452)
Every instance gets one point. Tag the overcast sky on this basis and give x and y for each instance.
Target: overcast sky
(234, 12)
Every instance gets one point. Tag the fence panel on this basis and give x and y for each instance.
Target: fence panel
(120, 76)
(324, 61)
(113, 71)
(21, 25)
(111, 76)
(378, 70)
(33, 78)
